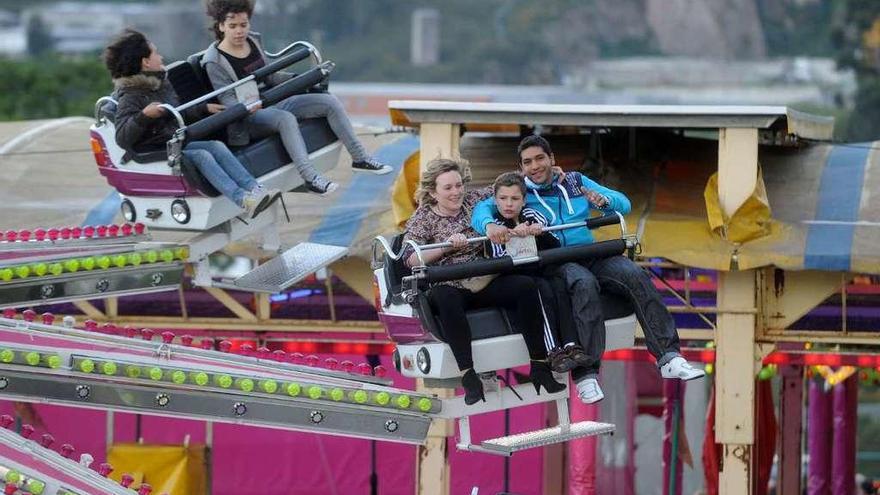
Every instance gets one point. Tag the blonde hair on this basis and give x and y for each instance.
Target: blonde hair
(437, 166)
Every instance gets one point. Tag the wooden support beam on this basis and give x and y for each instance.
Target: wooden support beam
(735, 364)
(737, 167)
(432, 459)
(438, 141)
(89, 310)
(230, 303)
(111, 304)
(264, 308)
(786, 296)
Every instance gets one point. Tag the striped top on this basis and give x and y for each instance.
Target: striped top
(527, 215)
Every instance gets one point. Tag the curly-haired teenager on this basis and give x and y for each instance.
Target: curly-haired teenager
(236, 53)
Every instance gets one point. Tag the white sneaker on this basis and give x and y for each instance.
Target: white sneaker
(678, 367)
(589, 391)
(257, 200)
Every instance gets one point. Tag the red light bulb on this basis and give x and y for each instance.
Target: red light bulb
(67, 450)
(130, 331)
(48, 318)
(186, 340)
(331, 363)
(112, 230)
(126, 480)
(167, 337)
(89, 231)
(52, 234)
(145, 489)
(380, 371)
(40, 234)
(296, 358)
(24, 235)
(312, 360)
(29, 315)
(27, 431)
(91, 325)
(207, 344)
(279, 356)
(101, 231)
(76, 232)
(246, 349)
(139, 228)
(6, 420)
(225, 346)
(9, 313)
(65, 232)
(108, 328)
(263, 352)
(365, 369)
(10, 489)
(105, 469)
(47, 440)
(147, 334)
(126, 229)
(346, 366)
(11, 235)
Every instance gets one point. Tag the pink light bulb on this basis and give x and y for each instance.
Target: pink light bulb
(29, 315)
(207, 343)
(296, 358)
(331, 363)
(6, 420)
(312, 360)
(9, 313)
(186, 340)
(67, 450)
(46, 440)
(346, 366)
(105, 469)
(147, 334)
(167, 337)
(27, 431)
(126, 480)
(279, 356)
(225, 346)
(365, 369)
(380, 371)
(91, 325)
(48, 318)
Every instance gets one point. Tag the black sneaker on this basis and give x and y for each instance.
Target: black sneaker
(371, 165)
(321, 186)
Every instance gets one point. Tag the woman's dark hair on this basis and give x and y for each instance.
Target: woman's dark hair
(217, 10)
(508, 179)
(124, 55)
(530, 141)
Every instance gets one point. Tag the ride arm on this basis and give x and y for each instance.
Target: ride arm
(617, 200)
(483, 215)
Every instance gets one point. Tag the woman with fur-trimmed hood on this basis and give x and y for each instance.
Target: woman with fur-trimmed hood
(142, 125)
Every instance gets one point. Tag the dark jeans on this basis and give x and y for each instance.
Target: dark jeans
(587, 325)
(516, 293)
(619, 275)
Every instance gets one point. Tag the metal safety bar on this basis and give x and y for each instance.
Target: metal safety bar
(316, 54)
(396, 256)
(100, 103)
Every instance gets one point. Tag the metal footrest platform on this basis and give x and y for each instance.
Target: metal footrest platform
(290, 267)
(548, 436)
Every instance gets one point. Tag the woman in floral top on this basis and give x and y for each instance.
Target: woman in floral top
(444, 214)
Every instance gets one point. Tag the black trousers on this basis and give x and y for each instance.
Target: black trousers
(516, 293)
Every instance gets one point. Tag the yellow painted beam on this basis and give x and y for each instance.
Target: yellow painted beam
(230, 303)
(356, 273)
(737, 167)
(89, 310)
(112, 306)
(786, 296)
(264, 308)
(438, 141)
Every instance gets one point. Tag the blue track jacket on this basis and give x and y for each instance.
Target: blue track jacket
(561, 202)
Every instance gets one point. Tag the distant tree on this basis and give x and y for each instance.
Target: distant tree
(857, 39)
(39, 40)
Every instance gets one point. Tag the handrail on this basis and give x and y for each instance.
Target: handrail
(177, 115)
(595, 221)
(316, 54)
(100, 103)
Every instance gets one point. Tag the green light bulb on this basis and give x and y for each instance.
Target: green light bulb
(337, 394)
(360, 396)
(87, 263)
(39, 269)
(178, 377)
(246, 384)
(181, 253)
(54, 361)
(269, 386)
(166, 255)
(13, 477)
(108, 368)
(56, 268)
(133, 371)
(36, 487)
(7, 355)
(314, 392)
(87, 366)
(225, 381)
(155, 373)
(102, 262)
(383, 398)
(424, 404)
(6, 274)
(293, 389)
(200, 378)
(22, 271)
(135, 259)
(120, 260)
(403, 401)
(32, 358)
(151, 256)
(71, 266)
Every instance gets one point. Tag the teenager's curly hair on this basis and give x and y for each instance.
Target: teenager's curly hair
(124, 54)
(217, 10)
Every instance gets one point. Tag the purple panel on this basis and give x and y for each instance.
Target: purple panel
(819, 436)
(843, 463)
(405, 330)
(138, 184)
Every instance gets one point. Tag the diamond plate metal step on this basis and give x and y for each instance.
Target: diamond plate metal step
(548, 436)
(290, 267)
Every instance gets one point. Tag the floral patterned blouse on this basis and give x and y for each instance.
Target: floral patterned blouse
(427, 227)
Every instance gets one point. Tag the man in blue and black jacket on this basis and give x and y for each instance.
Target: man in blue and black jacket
(571, 199)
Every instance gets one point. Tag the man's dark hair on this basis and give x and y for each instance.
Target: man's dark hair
(533, 140)
(124, 55)
(508, 179)
(217, 10)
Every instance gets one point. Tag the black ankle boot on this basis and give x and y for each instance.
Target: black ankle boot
(473, 387)
(542, 376)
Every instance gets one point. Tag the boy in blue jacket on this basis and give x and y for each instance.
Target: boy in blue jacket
(570, 199)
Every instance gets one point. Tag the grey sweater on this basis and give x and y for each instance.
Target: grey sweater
(221, 74)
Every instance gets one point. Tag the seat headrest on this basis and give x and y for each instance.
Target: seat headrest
(188, 79)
